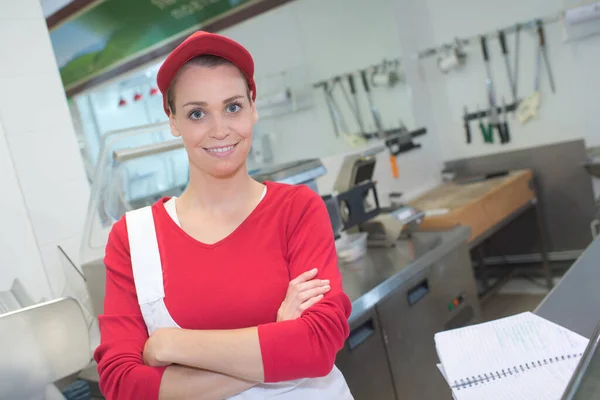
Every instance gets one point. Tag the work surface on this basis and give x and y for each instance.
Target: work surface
(479, 205)
(383, 270)
(575, 301)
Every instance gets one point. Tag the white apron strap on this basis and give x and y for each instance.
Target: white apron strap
(145, 257)
(147, 270)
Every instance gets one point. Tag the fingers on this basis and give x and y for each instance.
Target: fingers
(308, 304)
(305, 276)
(309, 294)
(315, 283)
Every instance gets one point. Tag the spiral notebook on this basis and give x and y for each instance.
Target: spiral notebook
(519, 357)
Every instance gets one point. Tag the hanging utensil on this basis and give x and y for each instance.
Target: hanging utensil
(467, 127)
(374, 112)
(504, 125)
(356, 104)
(544, 51)
(528, 108)
(332, 113)
(516, 70)
(352, 100)
(489, 84)
(502, 39)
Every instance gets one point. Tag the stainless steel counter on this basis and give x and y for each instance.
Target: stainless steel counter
(373, 278)
(401, 297)
(575, 301)
(575, 304)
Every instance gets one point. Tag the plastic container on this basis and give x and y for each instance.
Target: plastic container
(352, 246)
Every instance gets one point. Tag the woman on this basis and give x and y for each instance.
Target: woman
(194, 285)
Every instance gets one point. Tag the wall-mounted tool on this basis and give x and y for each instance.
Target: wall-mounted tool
(402, 142)
(467, 126)
(351, 104)
(453, 58)
(487, 131)
(356, 104)
(529, 106)
(502, 39)
(516, 70)
(494, 122)
(333, 113)
(339, 122)
(374, 112)
(544, 51)
(505, 132)
(387, 74)
(394, 165)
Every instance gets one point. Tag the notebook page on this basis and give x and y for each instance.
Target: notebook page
(546, 383)
(503, 344)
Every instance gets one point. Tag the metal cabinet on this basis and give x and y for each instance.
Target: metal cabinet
(363, 361)
(419, 309)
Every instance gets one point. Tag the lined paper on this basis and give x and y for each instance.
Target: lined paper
(523, 340)
(547, 383)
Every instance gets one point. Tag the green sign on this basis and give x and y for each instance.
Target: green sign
(116, 31)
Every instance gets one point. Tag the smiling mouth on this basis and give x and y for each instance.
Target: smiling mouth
(220, 150)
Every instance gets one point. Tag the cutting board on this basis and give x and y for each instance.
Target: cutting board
(479, 205)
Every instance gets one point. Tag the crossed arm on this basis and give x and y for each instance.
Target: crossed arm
(220, 364)
(209, 364)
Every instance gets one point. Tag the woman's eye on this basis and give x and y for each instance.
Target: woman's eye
(197, 114)
(233, 108)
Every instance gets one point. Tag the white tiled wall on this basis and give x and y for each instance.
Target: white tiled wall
(42, 181)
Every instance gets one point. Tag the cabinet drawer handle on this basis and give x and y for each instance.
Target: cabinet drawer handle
(417, 293)
(360, 334)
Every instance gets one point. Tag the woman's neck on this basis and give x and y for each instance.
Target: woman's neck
(213, 193)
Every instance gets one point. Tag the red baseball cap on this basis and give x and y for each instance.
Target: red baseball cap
(200, 43)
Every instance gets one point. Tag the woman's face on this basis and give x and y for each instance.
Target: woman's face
(214, 118)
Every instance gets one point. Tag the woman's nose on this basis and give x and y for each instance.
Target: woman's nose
(219, 129)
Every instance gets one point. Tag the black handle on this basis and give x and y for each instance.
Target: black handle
(540, 29)
(506, 132)
(360, 334)
(363, 75)
(484, 48)
(351, 83)
(404, 147)
(502, 38)
(500, 128)
(468, 130)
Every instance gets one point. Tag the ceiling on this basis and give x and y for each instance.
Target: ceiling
(51, 6)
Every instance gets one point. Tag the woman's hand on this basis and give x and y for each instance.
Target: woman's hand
(303, 292)
(156, 347)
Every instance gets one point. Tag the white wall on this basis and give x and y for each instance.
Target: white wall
(566, 115)
(419, 170)
(316, 40)
(44, 191)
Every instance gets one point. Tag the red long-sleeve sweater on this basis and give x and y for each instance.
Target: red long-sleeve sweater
(237, 282)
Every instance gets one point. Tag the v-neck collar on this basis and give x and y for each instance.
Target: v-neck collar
(169, 211)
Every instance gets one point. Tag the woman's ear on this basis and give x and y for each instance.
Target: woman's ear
(254, 110)
(173, 124)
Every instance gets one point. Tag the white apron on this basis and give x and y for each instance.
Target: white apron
(148, 277)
